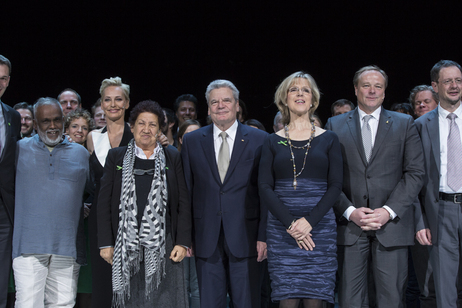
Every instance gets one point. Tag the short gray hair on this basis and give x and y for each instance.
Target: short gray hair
(47, 101)
(221, 83)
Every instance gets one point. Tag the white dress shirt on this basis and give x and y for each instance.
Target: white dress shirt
(217, 140)
(374, 124)
(443, 124)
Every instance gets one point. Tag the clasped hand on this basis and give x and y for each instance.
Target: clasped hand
(300, 231)
(177, 255)
(369, 219)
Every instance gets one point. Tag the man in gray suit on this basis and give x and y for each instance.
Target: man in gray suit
(441, 197)
(383, 173)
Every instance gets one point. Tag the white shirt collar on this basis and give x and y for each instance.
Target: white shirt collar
(230, 131)
(443, 113)
(375, 114)
(140, 154)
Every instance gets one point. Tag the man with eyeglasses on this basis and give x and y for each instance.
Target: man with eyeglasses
(69, 100)
(440, 224)
(10, 127)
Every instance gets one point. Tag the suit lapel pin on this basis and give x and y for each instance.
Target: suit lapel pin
(242, 140)
(9, 124)
(387, 122)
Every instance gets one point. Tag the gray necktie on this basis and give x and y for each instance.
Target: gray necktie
(454, 154)
(366, 134)
(223, 157)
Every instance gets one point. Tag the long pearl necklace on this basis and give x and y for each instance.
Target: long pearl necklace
(307, 146)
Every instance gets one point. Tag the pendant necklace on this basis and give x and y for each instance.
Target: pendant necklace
(307, 146)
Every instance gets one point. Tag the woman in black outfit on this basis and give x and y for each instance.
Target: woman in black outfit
(144, 216)
(114, 101)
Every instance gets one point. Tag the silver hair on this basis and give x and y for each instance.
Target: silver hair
(221, 83)
(46, 101)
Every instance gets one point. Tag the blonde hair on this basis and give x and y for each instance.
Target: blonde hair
(115, 82)
(280, 97)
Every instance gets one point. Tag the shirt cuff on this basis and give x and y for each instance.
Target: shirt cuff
(392, 213)
(106, 247)
(348, 212)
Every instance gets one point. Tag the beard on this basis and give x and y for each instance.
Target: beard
(48, 141)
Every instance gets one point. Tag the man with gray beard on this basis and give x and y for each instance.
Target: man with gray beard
(51, 174)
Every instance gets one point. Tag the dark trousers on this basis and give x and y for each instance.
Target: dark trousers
(6, 238)
(424, 276)
(242, 273)
(390, 272)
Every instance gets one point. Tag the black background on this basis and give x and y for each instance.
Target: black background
(166, 48)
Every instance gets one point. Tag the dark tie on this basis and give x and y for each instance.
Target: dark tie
(223, 156)
(454, 154)
(366, 133)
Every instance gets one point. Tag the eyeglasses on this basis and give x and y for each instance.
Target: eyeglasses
(4, 79)
(143, 172)
(294, 90)
(448, 82)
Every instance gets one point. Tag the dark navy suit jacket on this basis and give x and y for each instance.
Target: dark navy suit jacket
(12, 129)
(235, 203)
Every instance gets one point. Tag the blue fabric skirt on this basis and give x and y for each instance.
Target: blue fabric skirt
(295, 272)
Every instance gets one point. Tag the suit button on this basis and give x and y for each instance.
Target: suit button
(364, 197)
(222, 192)
(368, 176)
(219, 213)
(436, 200)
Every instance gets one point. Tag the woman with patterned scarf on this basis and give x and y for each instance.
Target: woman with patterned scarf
(144, 216)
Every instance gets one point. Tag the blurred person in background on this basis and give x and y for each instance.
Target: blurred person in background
(98, 114)
(27, 119)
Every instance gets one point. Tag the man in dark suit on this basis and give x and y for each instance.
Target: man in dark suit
(10, 127)
(383, 173)
(220, 165)
(441, 223)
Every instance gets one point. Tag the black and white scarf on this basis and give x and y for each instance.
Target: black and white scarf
(149, 237)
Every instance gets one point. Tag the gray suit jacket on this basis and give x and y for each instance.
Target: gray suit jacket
(429, 130)
(393, 176)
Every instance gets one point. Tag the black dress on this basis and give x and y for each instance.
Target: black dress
(101, 270)
(295, 272)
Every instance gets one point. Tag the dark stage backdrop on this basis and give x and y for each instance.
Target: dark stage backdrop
(166, 48)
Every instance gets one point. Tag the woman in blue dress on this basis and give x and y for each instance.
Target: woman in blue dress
(300, 179)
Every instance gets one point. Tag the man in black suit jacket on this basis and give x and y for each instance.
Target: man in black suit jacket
(383, 173)
(229, 226)
(10, 127)
(441, 223)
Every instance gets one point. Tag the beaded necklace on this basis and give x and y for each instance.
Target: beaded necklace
(307, 146)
